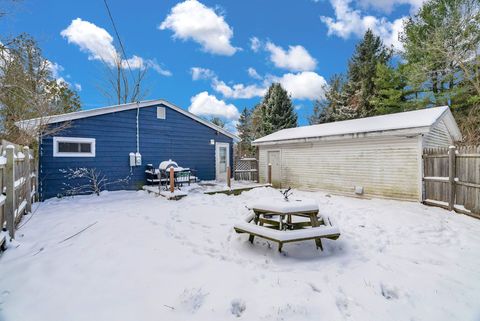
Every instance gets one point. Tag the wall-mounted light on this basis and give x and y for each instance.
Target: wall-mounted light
(212, 141)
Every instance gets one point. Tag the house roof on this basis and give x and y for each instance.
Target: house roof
(410, 122)
(32, 123)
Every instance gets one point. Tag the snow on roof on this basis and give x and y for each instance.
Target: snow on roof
(405, 120)
(32, 123)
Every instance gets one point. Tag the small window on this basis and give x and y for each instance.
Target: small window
(161, 113)
(73, 147)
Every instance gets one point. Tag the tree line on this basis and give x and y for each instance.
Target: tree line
(439, 65)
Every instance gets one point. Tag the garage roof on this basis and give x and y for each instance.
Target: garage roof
(410, 122)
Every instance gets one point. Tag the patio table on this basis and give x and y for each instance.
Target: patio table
(265, 208)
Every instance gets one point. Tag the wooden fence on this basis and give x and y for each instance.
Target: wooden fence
(452, 178)
(18, 186)
(246, 169)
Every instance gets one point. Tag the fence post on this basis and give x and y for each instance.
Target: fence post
(257, 163)
(451, 177)
(10, 190)
(269, 176)
(28, 182)
(228, 177)
(172, 180)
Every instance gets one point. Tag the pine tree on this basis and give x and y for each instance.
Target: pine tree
(443, 61)
(257, 122)
(390, 91)
(244, 128)
(277, 110)
(329, 108)
(361, 74)
(217, 121)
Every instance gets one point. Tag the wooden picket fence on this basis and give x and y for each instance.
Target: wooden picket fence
(452, 178)
(18, 186)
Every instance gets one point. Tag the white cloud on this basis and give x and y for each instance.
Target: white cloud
(137, 62)
(155, 66)
(204, 104)
(91, 39)
(201, 73)
(348, 22)
(388, 5)
(255, 44)
(98, 44)
(253, 73)
(303, 85)
(296, 58)
(77, 87)
(54, 68)
(193, 20)
(238, 90)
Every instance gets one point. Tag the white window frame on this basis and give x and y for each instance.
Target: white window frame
(57, 140)
(161, 113)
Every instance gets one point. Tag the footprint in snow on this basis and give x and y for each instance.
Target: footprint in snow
(237, 307)
(388, 292)
(192, 299)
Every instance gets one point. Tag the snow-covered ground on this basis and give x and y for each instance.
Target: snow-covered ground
(146, 258)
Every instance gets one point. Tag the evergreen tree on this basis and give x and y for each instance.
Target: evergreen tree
(361, 74)
(390, 91)
(441, 48)
(244, 128)
(217, 121)
(331, 108)
(277, 110)
(257, 122)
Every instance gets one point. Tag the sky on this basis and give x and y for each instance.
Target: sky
(210, 57)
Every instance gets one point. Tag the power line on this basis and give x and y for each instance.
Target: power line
(118, 37)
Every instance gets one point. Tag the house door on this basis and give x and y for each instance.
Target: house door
(222, 160)
(274, 159)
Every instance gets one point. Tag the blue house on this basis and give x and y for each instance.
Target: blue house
(107, 138)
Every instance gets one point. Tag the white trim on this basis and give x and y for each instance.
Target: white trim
(398, 132)
(161, 113)
(32, 123)
(227, 158)
(420, 167)
(57, 140)
(281, 164)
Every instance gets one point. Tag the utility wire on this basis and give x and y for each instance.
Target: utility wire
(118, 37)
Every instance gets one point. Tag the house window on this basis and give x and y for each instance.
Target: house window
(73, 147)
(161, 113)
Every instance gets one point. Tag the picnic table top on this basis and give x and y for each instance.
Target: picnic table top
(282, 206)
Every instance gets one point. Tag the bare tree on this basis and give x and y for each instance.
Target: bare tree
(87, 181)
(122, 84)
(28, 91)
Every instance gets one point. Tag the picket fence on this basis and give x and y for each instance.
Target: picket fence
(18, 185)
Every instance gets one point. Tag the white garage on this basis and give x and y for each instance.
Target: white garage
(380, 156)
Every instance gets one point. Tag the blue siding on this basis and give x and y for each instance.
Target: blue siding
(177, 137)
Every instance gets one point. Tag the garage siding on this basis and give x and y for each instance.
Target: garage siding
(438, 136)
(385, 167)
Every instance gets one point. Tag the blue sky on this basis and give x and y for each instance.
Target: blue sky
(211, 57)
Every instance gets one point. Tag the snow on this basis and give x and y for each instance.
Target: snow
(404, 120)
(147, 258)
(280, 205)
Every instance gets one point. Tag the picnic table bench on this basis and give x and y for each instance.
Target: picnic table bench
(283, 221)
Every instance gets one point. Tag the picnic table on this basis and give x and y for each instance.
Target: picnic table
(287, 220)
